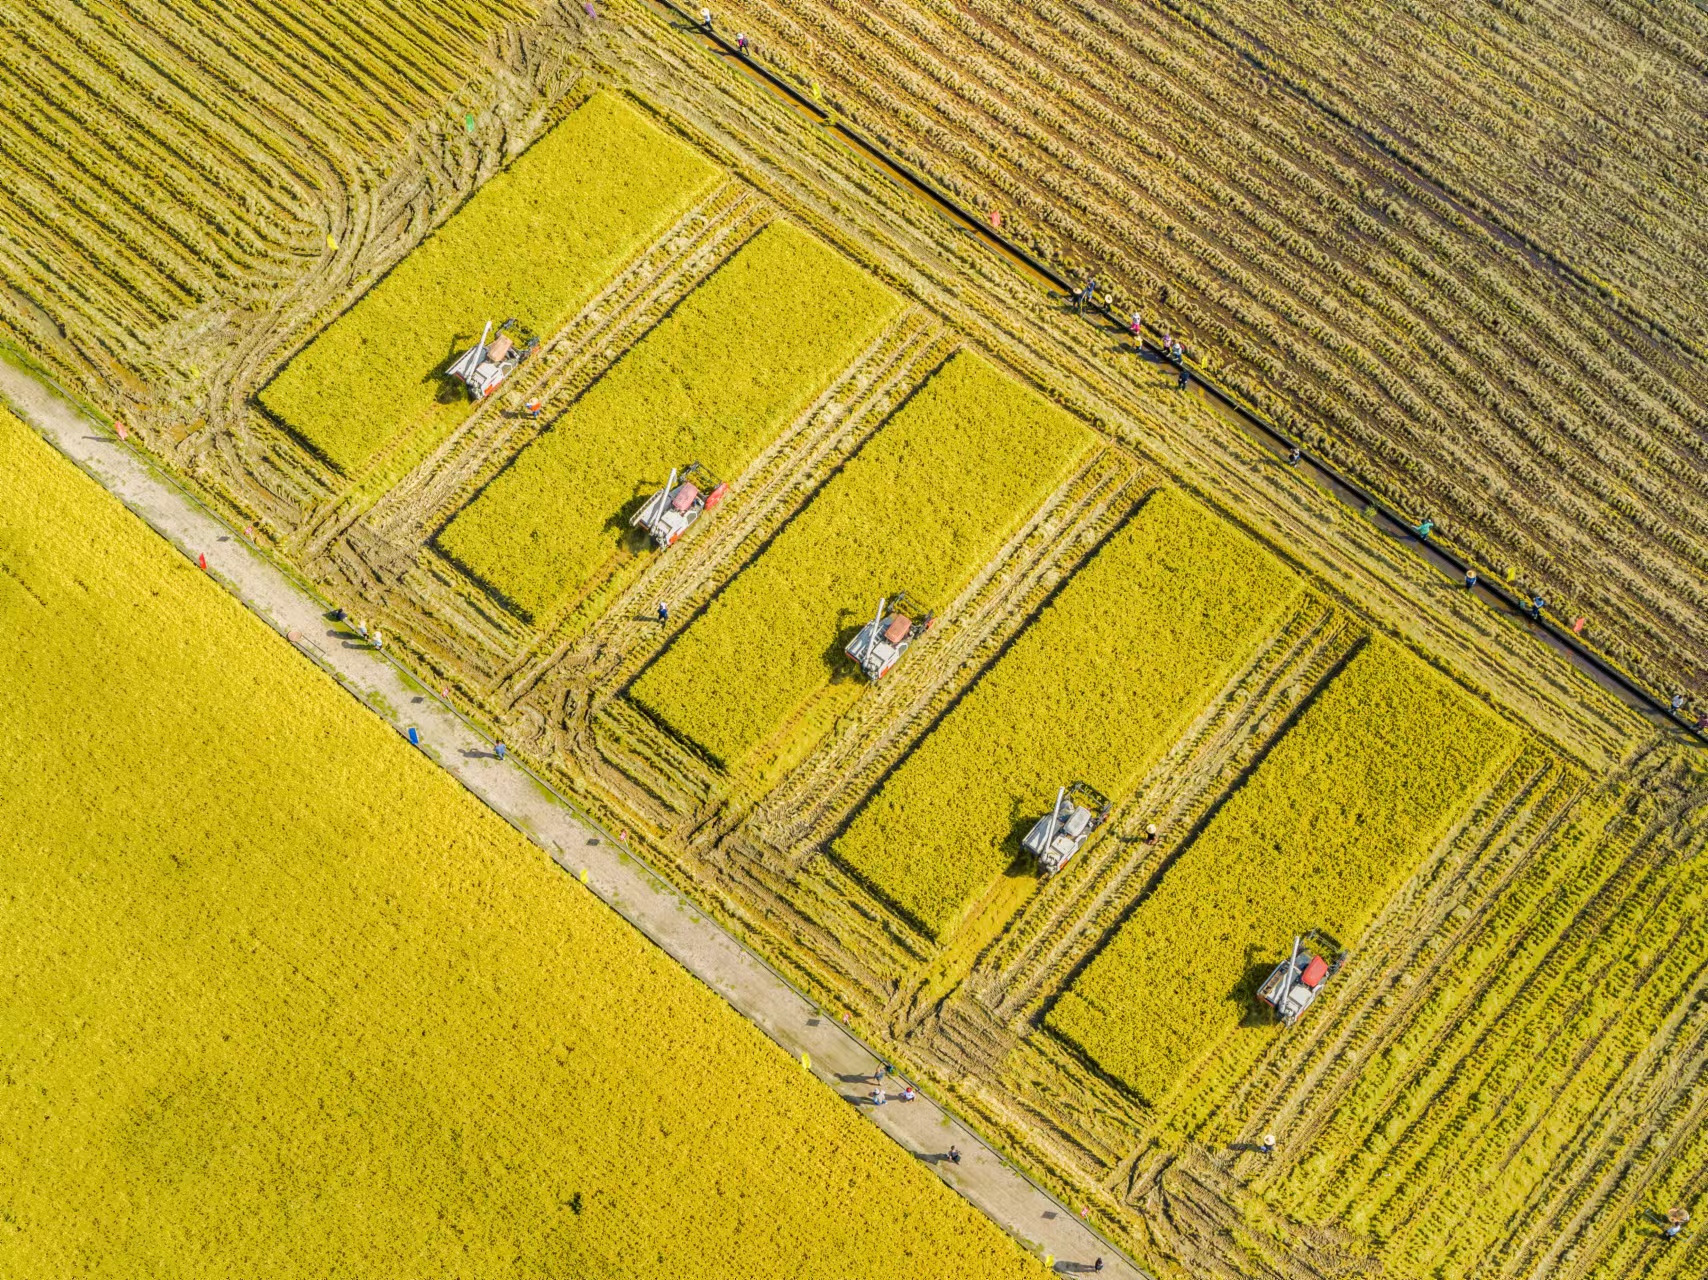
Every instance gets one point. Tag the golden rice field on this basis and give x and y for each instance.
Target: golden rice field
(296, 1004)
(1482, 309)
(1456, 249)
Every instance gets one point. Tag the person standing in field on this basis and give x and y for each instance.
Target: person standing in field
(1137, 329)
(1084, 295)
(500, 750)
(1294, 458)
(954, 1155)
(706, 21)
(1269, 1144)
(663, 613)
(1470, 579)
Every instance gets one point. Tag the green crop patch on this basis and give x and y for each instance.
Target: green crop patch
(1107, 677)
(535, 243)
(1332, 822)
(714, 382)
(919, 508)
(283, 1000)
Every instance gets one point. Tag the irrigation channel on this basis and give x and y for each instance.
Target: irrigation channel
(1228, 407)
(601, 861)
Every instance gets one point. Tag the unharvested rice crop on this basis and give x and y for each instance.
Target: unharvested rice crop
(284, 1001)
(1330, 824)
(713, 383)
(534, 244)
(919, 508)
(1096, 689)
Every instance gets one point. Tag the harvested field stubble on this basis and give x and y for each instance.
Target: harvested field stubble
(1335, 818)
(297, 1005)
(713, 383)
(534, 244)
(1456, 248)
(1095, 690)
(919, 508)
(164, 161)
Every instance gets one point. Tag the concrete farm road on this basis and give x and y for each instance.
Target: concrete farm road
(700, 945)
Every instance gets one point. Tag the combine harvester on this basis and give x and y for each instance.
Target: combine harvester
(668, 513)
(1296, 982)
(484, 366)
(1079, 810)
(887, 636)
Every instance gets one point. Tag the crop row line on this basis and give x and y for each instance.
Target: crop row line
(1358, 494)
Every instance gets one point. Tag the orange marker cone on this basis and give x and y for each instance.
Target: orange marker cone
(202, 560)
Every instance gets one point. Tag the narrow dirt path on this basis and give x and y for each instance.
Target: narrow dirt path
(701, 946)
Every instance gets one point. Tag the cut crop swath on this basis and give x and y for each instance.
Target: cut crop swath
(1331, 823)
(919, 508)
(534, 243)
(714, 383)
(1096, 689)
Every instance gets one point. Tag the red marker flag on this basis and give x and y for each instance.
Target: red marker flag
(202, 560)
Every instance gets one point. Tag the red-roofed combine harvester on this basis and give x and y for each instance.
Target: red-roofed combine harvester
(683, 500)
(882, 641)
(484, 366)
(1296, 982)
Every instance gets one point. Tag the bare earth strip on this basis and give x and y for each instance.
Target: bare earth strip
(651, 905)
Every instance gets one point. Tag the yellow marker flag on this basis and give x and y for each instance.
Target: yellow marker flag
(330, 242)
(584, 875)
(806, 1062)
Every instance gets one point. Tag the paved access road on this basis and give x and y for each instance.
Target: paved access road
(702, 946)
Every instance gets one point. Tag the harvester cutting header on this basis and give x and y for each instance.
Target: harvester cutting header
(684, 499)
(484, 366)
(883, 640)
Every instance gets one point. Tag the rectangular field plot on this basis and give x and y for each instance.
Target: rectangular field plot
(919, 508)
(1332, 822)
(534, 243)
(714, 382)
(1138, 643)
(286, 1001)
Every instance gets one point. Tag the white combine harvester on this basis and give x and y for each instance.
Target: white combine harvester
(484, 366)
(1062, 832)
(683, 500)
(883, 640)
(1297, 981)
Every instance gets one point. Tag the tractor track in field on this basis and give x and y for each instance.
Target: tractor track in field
(748, 844)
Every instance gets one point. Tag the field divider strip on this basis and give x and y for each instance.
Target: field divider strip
(1602, 668)
(604, 863)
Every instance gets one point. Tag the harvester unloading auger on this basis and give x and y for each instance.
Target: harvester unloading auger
(1296, 982)
(484, 366)
(1079, 810)
(683, 500)
(882, 641)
